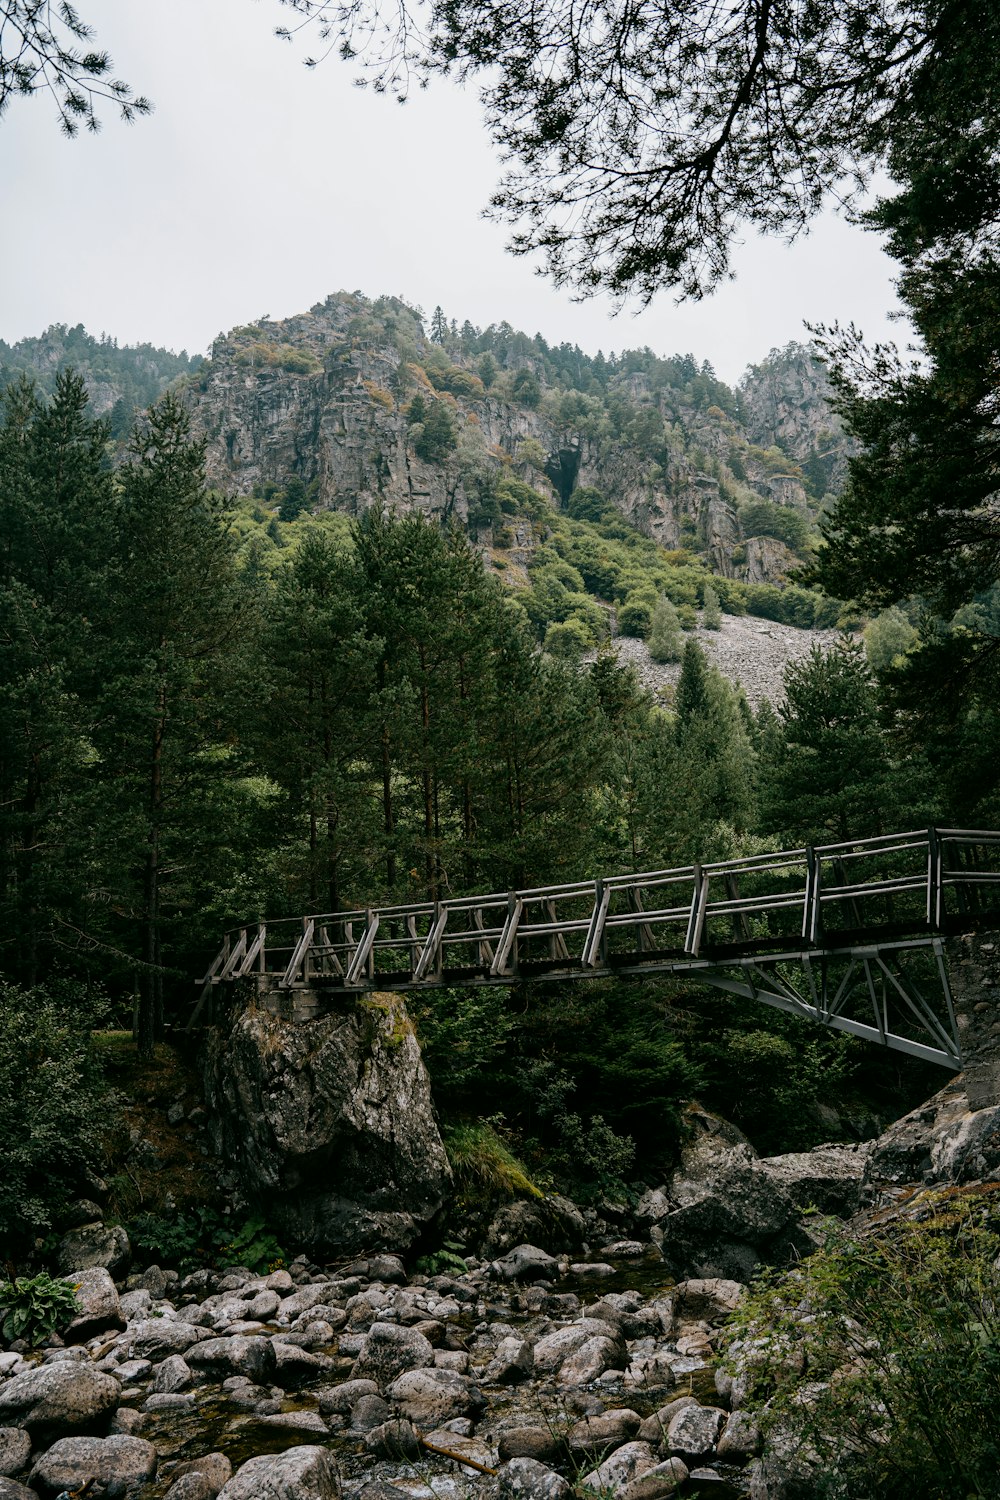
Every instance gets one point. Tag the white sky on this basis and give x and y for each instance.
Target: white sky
(258, 187)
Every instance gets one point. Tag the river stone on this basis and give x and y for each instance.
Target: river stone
(539, 1443)
(214, 1469)
(94, 1245)
(526, 1263)
(121, 1464)
(608, 1429)
(253, 1357)
(294, 1367)
(512, 1362)
(97, 1299)
(156, 1338)
(628, 1462)
(552, 1223)
(15, 1450)
(654, 1428)
(526, 1479)
(590, 1361)
(192, 1486)
(740, 1438)
(172, 1375)
(55, 1399)
(712, 1299)
(552, 1350)
(694, 1432)
(393, 1439)
(661, 1483)
(369, 1412)
(329, 1124)
(388, 1350)
(429, 1397)
(341, 1399)
(11, 1490)
(305, 1473)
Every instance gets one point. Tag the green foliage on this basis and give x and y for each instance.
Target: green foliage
(463, 1034)
(888, 1387)
(433, 432)
(888, 637)
(201, 1237)
(711, 617)
(32, 1307)
(635, 617)
(444, 1262)
(53, 1103)
(568, 639)
(665, 643)
(487, 1172)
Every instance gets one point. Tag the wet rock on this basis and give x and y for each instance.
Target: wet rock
(740, 1439)
(94, 1245)
(608, 1430)
(173, 1374)
(539, 1443)
(193, 1486)
(169, 1401)
(429, 1397)
(341, 1399)
(526, 1263)
(661, 1483)
(694, 1432)
(127, 1421)
(295, 1367)
(156, 1338)
(527, 1479)
(628, 1462)
(369, 1412)
(212, 1469)
(329, 1124)
(713, 1299)
(554, 1349)
(828, 1178)
(393, 1439)
(388, 1351)
(304, 1423)
(97, 1299)
(944, 1141)
(121, 1464)
(253, 1357)
(55, 1399)
(305, 1473)
(594, 1270)
(654, 1206)
(654, 1428)
(15, 1450)
(11, 1490)
(552, 1223)
(513, 1362)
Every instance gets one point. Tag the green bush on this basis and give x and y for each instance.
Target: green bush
(33, 1307)
(635, 617)
(203, 1237)
(54, 1105)
(888, 1388)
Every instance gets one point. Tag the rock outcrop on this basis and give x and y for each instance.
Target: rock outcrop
(328, 1123)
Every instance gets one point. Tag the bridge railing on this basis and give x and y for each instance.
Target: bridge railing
(911, 882)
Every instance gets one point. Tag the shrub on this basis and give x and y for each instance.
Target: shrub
(568, 639)
(888, 1387)
(33, 1307)
(203, 1237)
(54, 1104)
(635, 617)
(665, 633)
(486, 1171)
(711, 613)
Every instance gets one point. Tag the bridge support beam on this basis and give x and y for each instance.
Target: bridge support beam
(974, 970)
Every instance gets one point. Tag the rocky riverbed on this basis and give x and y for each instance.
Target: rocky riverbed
(584, 1363)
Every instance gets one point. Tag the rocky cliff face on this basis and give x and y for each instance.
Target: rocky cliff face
(326, 397)
(784, 401)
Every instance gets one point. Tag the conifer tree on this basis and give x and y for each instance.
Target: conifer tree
(711, 615)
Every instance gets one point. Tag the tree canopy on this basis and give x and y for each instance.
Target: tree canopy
(638, 137)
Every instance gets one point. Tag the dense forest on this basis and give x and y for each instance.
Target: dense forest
(210, 713)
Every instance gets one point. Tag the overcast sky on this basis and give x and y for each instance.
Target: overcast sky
(258, 187)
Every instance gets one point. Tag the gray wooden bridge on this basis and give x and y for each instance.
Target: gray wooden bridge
(850, 935)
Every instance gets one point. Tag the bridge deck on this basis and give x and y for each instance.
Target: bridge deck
(847, 934)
